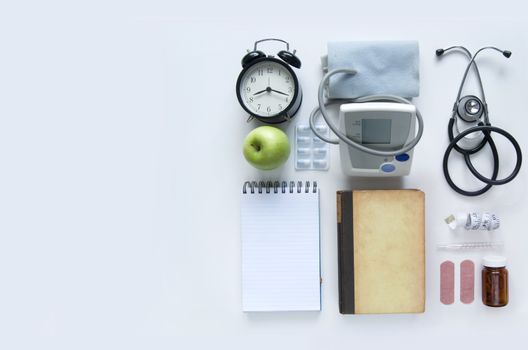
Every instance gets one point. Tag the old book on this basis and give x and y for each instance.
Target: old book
(381, 251)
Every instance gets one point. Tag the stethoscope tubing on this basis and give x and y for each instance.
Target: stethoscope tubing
(486, 130)
(459, 149)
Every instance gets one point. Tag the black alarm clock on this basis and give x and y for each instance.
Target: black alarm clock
(267, 88)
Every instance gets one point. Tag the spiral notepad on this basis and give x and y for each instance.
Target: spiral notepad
(280, 246)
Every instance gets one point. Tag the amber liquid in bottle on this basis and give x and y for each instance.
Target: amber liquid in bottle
(495, 286)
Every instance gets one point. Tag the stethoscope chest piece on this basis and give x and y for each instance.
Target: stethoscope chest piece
(470, 108)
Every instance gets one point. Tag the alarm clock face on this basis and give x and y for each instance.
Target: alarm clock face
(267, 88)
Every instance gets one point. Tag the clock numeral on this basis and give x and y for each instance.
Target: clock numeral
(290, 89)
(287, 99)
(251, 99)
(253, 79)
(258, 107)
(280, 107)
(287, 78)
(268, 109)
(280, 70)
(270, 70)
(260, 72)
(248, 89)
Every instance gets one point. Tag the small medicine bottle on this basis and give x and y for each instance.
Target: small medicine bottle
(494, 281)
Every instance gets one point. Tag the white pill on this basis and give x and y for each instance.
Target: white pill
(318, 141)
(320, 164)
(319, 152)
(303, 163)
(303, 139)
(303, 152)
(303, 128)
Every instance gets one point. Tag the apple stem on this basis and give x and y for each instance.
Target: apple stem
(257, 147)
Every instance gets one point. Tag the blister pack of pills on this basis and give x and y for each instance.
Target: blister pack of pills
(311, 153)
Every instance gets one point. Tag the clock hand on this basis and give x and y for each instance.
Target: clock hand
(279, 92)
(268, 89)
(260, 92)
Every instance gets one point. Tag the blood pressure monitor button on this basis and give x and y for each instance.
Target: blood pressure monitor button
(402, 157)
(388, 168)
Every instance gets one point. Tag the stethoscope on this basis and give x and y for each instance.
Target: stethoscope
(471, 109)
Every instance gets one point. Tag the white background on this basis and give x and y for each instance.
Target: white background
(121, 168)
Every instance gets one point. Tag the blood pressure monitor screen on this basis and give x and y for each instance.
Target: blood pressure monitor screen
(375, 131)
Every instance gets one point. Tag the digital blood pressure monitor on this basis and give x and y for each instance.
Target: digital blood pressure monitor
(376, 133)
(383, 126)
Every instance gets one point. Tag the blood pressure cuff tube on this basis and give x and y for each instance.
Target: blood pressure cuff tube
(383, 68)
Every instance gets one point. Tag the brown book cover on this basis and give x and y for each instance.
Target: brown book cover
(381, 251)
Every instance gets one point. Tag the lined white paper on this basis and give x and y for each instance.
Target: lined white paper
(280, 251)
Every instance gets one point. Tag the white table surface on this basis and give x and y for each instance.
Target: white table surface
(121, 168)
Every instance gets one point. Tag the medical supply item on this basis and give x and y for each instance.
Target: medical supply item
(471, 113)
(384, 68)
(470, 245)
(267, 88)
(376, 133)
(311, 153)
(447, 282)
(494, 281)
(387, 126)
(467, 281)
(473, 221)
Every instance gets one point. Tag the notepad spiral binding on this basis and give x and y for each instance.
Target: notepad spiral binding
(282, 186)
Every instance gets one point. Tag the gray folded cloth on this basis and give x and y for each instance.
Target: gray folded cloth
(384, 68)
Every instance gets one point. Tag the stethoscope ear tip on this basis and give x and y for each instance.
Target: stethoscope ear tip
(440, 52)
(507, 53)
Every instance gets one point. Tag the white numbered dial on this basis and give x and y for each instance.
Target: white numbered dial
(267, 88)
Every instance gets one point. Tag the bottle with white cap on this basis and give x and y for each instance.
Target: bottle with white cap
(494, 281)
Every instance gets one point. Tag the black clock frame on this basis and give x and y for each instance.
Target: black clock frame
(290, 110)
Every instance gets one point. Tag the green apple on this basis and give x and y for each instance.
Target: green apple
(266, 147)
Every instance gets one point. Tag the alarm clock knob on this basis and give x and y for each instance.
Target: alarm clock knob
(252, 56)
(290, 58)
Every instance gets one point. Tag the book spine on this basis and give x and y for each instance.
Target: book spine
(345, 242)
(339, 209)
